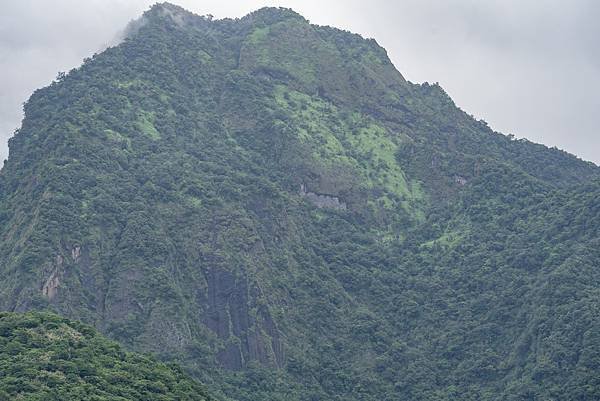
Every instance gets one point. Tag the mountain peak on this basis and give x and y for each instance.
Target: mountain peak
(272, 15)
(168, 10)
(168, 7)
(265, 15)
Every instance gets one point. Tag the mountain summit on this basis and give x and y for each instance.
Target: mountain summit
(272, 205)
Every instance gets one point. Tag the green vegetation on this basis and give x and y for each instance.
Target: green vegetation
(258, 35)
(46, 357)
(349, 142)
(145, 123)
(273, 206)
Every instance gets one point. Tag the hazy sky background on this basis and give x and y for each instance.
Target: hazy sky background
(527, 67)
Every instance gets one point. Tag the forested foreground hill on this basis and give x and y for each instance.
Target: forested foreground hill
(45, 357)
(272, 205)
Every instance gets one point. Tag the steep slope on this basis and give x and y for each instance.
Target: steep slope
(46, 357)
(272, 199)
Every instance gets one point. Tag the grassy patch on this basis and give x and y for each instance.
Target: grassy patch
(354, 140)
(258, 35)
(145, 123)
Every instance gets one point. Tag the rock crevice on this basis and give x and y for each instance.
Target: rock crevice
(322, 200)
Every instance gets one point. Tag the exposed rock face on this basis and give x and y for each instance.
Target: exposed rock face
(462, 181)
(322, 200)
(247, 329)
(76, 253)
(50, 287)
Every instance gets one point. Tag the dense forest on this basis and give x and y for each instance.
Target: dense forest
(272, 206)
(45, 357)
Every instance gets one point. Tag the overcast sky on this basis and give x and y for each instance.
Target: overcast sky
(527, 67)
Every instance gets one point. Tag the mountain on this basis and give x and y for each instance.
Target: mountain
(272, 205)
(46, 357)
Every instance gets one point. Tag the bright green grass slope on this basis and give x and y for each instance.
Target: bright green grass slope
(45, 357)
